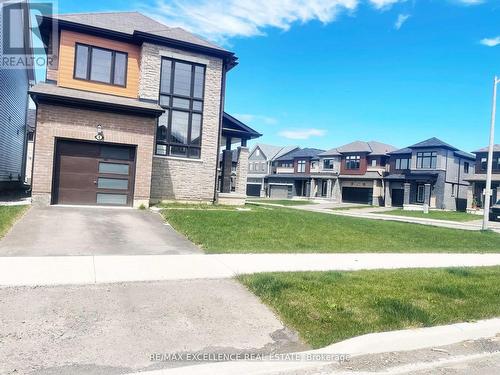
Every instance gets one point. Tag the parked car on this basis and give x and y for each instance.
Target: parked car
(495, 211)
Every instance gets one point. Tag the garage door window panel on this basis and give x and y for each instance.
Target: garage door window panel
(112, 199)
(114, 168)
(112, 183)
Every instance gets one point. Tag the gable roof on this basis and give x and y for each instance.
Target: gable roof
(371, 147)
(433, 142)
(269, 151)
(301, 153)
(138, 26)
(285, 150)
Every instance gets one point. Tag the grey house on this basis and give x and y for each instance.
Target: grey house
(260, 165)
(299, 174)
(361, 166)
(476, 194)
(14, 85)
(431, 172)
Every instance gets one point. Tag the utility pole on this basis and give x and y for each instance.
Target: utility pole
(487, 191)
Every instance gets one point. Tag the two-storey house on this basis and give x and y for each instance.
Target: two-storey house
(362, 167)
(131, 111)
(475, 198)
(299, 173)
(430, 172)
(260, 165)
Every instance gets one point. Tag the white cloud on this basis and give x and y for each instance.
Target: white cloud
(402, 18)
(384, 4)
(219, 20)
(302, 133)
(246, 117)
(490, 42)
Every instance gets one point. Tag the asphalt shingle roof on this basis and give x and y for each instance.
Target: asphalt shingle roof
(269, 151)
(301, 153)
(496, 148)
(433, 142)
(285, 150)
(103, 100)
(401, 151)
(371, 147)
(132, 22)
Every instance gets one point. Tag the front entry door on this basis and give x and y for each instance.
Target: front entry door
(93, 174)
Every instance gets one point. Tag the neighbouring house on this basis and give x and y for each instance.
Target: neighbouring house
(298, 173)
(361, 169)
(476, 192)
(132, 112)
(30, 139)
(260, 165)
(430, 172)
(14, 100)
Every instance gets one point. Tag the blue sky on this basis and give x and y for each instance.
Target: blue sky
(322, 73)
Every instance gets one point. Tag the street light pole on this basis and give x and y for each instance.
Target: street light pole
(487, 191)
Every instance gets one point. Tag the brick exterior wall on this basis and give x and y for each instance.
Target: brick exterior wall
(80, 124)
(178, 178)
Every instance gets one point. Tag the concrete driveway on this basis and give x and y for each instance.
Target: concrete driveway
(116, 328)
(93, 231)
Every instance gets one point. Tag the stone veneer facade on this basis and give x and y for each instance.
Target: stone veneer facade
(55, 121)
(180, 178)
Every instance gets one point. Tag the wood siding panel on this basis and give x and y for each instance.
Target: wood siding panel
(66, 62)
(362, 165)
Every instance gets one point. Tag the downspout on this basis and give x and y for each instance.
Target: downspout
(221, 116)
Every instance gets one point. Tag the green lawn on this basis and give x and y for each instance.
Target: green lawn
(283, 202)
(197, 206)
(8, 215)
(438, 215)
(327, 307)
(279, 230)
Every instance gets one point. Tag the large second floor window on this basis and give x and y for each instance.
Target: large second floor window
(328, 164)
(466, 167)
(426, 160)
(100, 65)
(402, 163)
(301, 166)
(181, 94)
(352, 162)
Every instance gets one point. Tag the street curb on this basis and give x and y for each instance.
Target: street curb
(374, 343)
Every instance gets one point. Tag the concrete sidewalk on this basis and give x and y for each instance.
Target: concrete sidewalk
(368, 213)
(18, 271)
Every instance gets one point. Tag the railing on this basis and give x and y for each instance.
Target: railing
(284, 170)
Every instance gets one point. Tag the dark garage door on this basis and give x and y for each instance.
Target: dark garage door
(357, 195)
(93, 174)
(398, 196)
(253, 190)
(278, 191)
